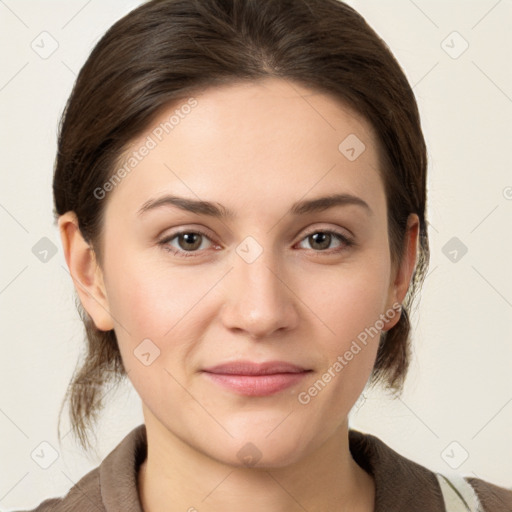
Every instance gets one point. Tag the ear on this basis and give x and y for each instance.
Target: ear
(403, 273)
(86, 273)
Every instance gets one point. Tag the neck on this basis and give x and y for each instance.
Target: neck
(175, 477)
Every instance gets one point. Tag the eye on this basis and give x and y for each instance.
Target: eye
(190, 243)
(320, 240)
(187, 243)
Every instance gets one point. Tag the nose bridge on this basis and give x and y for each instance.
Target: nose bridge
(258, 301)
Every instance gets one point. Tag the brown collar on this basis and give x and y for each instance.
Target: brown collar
(400, 484)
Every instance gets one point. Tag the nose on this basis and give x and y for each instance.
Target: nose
(259, 301)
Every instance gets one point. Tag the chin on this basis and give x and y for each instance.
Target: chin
(251, 456)
(256, 449)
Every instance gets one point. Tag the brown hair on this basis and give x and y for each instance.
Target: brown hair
(165, 50)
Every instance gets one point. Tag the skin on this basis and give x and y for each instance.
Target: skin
(255, 148)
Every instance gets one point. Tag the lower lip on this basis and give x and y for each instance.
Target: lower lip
(256, 385)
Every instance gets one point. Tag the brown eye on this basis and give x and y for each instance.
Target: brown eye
(185, 243)
(189, 241)
(321, 241)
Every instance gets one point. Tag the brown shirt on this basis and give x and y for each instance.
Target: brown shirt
(400, 484)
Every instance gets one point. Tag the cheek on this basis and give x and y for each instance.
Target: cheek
(140, 305)
(349, 304)
(349, 298)
(150, 299)
(151, 310)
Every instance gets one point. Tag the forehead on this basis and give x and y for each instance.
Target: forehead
(269, 139)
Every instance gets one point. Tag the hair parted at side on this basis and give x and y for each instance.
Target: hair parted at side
(166, 50)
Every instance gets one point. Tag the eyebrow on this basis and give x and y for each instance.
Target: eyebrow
(219, 211)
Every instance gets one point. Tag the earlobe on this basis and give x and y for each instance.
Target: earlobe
(404, 273)
(86, 273)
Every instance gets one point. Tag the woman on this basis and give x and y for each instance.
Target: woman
(240, 189)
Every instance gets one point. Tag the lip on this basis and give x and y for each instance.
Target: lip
(256, 379)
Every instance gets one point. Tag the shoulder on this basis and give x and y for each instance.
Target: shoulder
(112, 486)
(402, 484)
(493, 497)
(85, 495)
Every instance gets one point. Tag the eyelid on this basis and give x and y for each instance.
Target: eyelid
(346, 234)
(170, 233)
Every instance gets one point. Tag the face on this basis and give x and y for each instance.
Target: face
(265, 273)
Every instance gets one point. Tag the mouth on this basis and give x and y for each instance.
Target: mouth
(256, 379)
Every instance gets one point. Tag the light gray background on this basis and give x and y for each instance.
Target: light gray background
(456, 411)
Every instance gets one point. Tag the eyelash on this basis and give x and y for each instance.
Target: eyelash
(347, 242)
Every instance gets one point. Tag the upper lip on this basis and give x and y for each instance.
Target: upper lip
(252, 368)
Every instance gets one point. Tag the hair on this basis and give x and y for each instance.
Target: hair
(166, 50)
